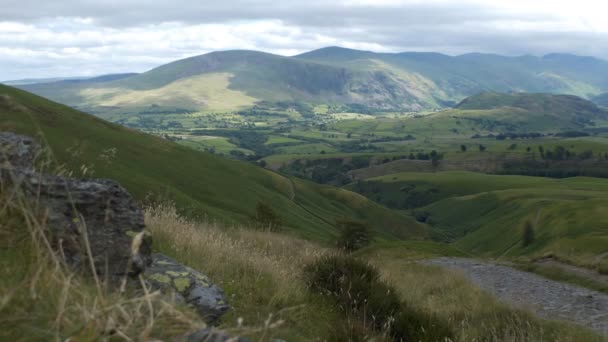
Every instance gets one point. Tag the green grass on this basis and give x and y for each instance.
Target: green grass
(307, 149)
(567, 215)
(280, 139)
(484, 215)
(559, 274)
(201, 184)
(219, 144)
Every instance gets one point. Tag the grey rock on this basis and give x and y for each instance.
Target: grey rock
(115, 231)
(85, 218)
(213, 335)
(17, 151)
(188, 285)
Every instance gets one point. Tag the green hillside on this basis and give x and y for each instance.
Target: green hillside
(379, 81)
(485, 214)
(558, 105)
(201, 184)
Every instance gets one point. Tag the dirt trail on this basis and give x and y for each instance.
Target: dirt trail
(547, 298)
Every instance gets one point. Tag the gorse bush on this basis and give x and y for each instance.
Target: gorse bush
(353, 234)
(358, 291)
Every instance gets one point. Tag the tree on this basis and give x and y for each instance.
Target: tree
(528, 234)
(353, 234)
(463, 148)
(266, 217)
(435, 157)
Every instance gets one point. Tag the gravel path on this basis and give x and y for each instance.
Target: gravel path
(547, 298)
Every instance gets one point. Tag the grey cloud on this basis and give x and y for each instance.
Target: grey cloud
(135, 35)
(119, 13)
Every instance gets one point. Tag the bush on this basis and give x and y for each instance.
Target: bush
(602, 267)
(528, 234)
(266, 218)
(359, 293)
(353, 234)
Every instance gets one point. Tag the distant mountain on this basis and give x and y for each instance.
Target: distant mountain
(409, 81)
(601, 99)
(26, 81)
(103, 78)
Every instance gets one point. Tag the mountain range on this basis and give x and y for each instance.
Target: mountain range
(409, 81)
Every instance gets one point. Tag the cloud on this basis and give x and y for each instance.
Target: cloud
(90, 37)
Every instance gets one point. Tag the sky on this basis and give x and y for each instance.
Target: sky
(58, 38)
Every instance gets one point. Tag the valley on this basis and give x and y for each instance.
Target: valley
(442, 162)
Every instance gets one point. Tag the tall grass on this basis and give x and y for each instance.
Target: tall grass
(42, 299)
(259, 271)
(471, 312)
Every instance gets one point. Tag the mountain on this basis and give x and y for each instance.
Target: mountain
(65, 80)
(229, 80)
(203, 185)
(601, 99)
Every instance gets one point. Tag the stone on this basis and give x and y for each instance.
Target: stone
(17, 151)
(213, 335)
(188, 285)
(85, 218)
(114, 224)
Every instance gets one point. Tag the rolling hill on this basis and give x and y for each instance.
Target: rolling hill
(381, 81)
(535, 110)
(484, 215)
(201, 184)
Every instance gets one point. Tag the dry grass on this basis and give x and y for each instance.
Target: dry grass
(260, 272)
(472, 313)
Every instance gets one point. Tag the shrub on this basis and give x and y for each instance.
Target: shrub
(528, 234)
(266, 218)
(360, 294)
(602, 267)
(353, 234)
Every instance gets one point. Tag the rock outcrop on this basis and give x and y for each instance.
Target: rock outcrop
(94, 218)
(189, 286)
(98, 220)
(17, 151)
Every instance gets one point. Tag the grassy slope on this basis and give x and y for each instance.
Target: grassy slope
(201, 184)
(486, 213)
